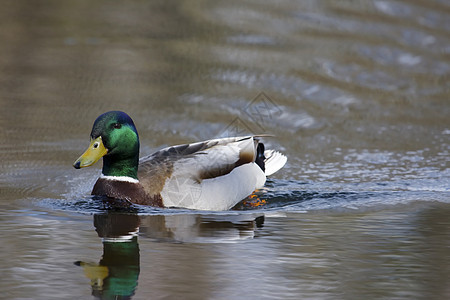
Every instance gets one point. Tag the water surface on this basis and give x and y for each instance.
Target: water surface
(355, 94)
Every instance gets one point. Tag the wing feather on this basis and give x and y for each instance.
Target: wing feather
(196, 161)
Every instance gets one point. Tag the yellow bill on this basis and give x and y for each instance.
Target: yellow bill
(95, 151)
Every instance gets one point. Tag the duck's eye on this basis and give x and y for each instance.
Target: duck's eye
(95, 145)
(117, 125)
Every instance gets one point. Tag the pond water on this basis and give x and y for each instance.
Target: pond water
(355, 94)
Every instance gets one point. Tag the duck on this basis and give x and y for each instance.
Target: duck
(211, 175)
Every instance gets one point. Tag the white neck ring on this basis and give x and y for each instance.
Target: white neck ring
(120, 178)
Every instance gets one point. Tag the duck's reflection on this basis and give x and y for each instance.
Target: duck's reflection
(200, 228)
(116, 275)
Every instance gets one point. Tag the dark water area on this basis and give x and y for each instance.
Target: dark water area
(355, 94)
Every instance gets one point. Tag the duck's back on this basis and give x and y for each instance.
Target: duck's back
(209, 175)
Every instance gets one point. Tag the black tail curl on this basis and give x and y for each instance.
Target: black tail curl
(260, 158)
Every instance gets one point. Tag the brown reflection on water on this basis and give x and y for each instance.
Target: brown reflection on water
(116, 275)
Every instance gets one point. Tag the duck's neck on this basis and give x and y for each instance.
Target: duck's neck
(128, 167)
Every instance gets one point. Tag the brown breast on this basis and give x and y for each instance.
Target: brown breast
(133, 192)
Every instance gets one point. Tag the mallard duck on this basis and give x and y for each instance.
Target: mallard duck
(209, 175)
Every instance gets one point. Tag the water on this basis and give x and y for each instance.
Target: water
(356, 95)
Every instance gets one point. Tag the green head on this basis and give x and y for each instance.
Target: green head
(114, 137)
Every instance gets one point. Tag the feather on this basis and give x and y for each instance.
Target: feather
(274, 161)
